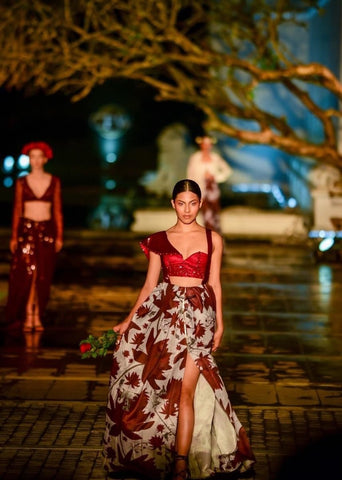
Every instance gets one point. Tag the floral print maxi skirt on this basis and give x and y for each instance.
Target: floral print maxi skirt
(145, 386)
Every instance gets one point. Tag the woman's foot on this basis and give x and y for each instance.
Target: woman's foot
(180, 468)
(37, 324)
(28, 325)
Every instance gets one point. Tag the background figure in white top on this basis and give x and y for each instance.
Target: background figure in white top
(208, 168)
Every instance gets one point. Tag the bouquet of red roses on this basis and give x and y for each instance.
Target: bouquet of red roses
(93, 347)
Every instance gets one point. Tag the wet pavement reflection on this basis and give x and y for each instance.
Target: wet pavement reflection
(281, 357)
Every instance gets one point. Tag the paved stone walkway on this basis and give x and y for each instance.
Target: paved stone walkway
(281, 357)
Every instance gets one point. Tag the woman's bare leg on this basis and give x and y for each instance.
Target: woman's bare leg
(32, 294)
(32, 306)
(37, 323)
(29, 321)
(185, 424)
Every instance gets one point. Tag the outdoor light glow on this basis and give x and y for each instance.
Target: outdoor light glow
(325, 234)
(292, 202)
(110, 184)
(265, 188)
(8, 164)
(110, 145)
(110, 148)
(261, 187)
(23, 161)
(325, 275)
(110, 121)
(326, 244)
(111, 157)
(278, 195)
(240, 188)
(8, 182)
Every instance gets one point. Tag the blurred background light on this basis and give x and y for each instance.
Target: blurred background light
(8, 163)
(110, 184)
(325, 233)
(292, 202)
(111, 157)
(8, 182)
(273, 189)
(326, 244)
(110, 121)
(23, 161)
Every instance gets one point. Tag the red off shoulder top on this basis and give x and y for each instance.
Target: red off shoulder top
(196, 265)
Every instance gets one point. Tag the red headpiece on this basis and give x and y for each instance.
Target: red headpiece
(44, 147)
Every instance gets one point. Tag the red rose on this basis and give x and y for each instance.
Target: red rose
(85, 347)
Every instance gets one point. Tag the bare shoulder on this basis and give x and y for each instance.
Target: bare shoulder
(217, 240)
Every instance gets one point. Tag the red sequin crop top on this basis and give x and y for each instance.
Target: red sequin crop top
(48, 196)
(23, 193)
(196, 265)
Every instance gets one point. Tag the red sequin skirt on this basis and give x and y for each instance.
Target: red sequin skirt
(33, 260)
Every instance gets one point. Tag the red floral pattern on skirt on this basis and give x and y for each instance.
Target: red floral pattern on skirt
(145, 386)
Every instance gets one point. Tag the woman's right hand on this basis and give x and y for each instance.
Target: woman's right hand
(121, 327)
(58, 245)
(13, 245)
(217, 339)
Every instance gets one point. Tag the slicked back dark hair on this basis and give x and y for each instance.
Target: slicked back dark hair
(186, 185)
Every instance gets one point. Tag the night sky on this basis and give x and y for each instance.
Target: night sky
(65, 125)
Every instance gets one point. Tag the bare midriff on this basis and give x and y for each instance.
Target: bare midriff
(186, 281)
(38, 211)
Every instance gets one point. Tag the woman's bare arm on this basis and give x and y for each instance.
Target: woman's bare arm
(152, 277)
(17, 212)
(215, 282)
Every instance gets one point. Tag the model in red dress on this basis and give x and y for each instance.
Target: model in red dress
(37, 233)
(168, 411)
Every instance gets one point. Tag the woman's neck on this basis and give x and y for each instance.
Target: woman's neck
(206, 155)
(185, 228)
(38, 172)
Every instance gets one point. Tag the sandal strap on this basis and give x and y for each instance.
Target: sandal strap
(182, 474)
(181, 457)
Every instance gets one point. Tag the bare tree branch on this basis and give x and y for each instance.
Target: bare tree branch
(214, 55)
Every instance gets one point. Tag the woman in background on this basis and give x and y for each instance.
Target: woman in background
(37, 234)
(208, 168)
